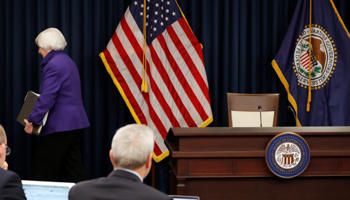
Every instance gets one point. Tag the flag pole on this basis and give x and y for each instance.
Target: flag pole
(309, 96)
(144, 69)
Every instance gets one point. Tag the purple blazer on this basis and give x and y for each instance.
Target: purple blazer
(60, 94)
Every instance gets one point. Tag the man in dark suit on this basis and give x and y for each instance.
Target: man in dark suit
(131, 156)
(10, 182)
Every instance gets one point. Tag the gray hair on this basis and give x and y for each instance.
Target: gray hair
(51, 38)
(131, 146)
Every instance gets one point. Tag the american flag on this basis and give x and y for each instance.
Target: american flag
(178, 93)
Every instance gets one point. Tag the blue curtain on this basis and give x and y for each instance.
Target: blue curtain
(239, 37)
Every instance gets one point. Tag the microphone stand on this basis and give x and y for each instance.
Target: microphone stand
(295, 116)
(259, 107)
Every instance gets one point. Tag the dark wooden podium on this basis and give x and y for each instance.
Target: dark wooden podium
(229, 163)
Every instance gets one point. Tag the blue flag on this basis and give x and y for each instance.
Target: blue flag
(320, 64)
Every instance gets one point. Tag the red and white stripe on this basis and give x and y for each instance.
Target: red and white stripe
(288, 160)
(304, 59)
(178, 94)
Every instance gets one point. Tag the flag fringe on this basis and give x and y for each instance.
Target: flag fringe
(120, 89)
(286, 86)
(339, 18)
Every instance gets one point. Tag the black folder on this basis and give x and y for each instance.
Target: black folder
(27, 108)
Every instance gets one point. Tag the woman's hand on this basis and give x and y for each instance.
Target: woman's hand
(29, 127)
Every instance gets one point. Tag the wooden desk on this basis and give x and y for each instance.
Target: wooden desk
(229, 163)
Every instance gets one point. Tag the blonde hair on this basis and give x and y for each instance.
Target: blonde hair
(51, 38)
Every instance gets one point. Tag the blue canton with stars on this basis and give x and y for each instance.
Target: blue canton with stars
(159, 15)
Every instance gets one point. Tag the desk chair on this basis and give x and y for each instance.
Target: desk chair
(243, 109)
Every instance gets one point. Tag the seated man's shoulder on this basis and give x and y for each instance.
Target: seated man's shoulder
(89, 183)
(7, 175)
(88, 187)
(110, 188)
(151, 193)
(10, 185)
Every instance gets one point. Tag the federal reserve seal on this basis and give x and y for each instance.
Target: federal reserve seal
(320, 62)
(287, 155)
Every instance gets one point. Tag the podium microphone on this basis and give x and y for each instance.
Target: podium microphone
(259, 107)
(295, 117)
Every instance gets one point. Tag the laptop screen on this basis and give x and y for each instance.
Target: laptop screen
(181, 197)
(46, 190)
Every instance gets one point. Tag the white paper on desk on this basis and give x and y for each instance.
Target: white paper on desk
(252, 118)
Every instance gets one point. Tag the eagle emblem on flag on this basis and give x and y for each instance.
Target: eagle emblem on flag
(320, 62)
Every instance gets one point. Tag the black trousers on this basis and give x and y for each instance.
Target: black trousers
(59, 154)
